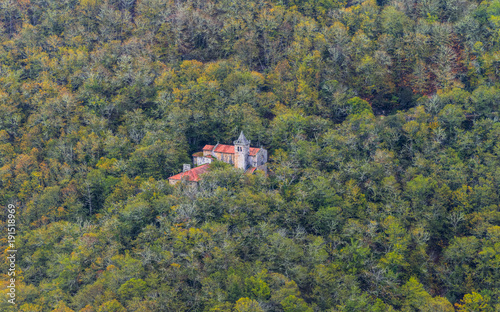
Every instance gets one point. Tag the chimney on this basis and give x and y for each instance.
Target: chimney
(186, 167)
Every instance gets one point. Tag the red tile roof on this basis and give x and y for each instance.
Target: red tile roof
(253, 151)
(222, 148)
(208, 147)
(229, 149)
(192, 175)
(198, 154)
(251, 170)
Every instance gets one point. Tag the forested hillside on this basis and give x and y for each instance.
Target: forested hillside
(381, 119)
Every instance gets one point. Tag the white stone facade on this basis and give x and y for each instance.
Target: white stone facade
(241, 155)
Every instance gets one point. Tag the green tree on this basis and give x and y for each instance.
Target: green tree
(132, 288)
(294, 304)
(247, 305)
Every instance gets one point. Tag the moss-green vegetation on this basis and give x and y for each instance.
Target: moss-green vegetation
(381, 121)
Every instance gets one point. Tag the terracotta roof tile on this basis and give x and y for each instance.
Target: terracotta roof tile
(229, 149)
(192, 175)
(253, 151)
(251, 170)
(208, 147)
(223, 148)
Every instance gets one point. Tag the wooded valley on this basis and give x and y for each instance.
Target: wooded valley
(381, 119)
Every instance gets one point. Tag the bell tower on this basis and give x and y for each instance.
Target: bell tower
(241, 152)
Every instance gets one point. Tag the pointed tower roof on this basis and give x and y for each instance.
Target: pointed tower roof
(242, 140)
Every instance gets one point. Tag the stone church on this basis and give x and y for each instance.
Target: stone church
(240, 154)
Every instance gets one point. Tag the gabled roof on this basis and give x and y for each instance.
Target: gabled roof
(253, 151)
(229, 149)
(223, 148)
(251, 170)
(192, 175)
(208, 147)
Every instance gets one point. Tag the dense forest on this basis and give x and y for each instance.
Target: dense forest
(381, 121)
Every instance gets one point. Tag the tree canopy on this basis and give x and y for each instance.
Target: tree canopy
(381, 119)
